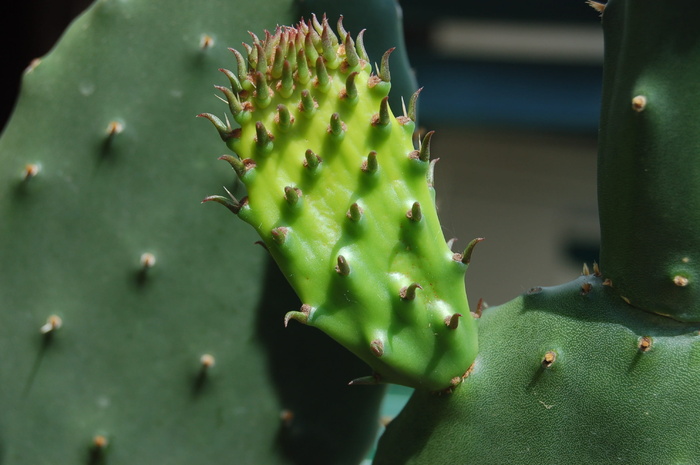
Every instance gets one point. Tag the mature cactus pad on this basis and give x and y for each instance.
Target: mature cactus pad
(344, 203)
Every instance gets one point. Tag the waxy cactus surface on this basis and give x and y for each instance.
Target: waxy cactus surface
(344, 202)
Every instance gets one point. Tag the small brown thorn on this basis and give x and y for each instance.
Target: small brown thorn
(263, 139)
(424, 151)
(307, 105)
(586, 288)
(608, 282)
(342, 268)
(586, 271)
(596, 270)
(147, 260)
(336, 127)
(415, 213)
(597, 6)
(681, 281)
(452, 321)
(30, 170)
(377, 347)
(262, 244)
(361, 51)
(349, 94)
(549, 358)
(231, 202)
(480, 307)
(323, 80)
(53, 323)
(284, 118)
(409, 292)
(206, 362)
(644, 344)
(451, 242)
(224, 130)
(233, 79)
(206, 41)
(413, 104)
(639, 103)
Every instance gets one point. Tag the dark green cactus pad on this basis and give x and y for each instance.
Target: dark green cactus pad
(343, 200)
(137, 327)
(649, 169)
(567, 374)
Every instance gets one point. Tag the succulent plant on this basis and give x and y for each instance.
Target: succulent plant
(344, 202)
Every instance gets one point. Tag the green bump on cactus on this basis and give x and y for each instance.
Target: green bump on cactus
(344, 203)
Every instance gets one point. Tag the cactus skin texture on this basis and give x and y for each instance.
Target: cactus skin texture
(344, 202)
(593, 371)
(163, 343)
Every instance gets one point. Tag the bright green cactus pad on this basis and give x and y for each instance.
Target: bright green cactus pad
(343, 200)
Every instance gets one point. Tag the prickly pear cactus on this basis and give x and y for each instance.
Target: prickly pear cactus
(594, 371)
(131, 330)
(344, 202)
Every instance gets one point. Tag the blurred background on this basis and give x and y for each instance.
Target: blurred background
(512, 89)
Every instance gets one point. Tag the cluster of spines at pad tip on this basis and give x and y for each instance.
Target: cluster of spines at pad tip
(343, 200)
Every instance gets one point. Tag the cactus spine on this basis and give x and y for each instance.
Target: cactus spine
(343, 200)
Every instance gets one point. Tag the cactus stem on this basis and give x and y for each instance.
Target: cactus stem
(279, 235)
(263, 139)
(336, 127)
(377, 347)
(311, 160)
(307, 105)
(231, 203)
(349, 94)
(549, 358)
(370, 165)
(114, 128)
(480, 307)
(354, 213)
(322, 81)
(342, 268)
(147, 260)
(384, 73)
(30, 170)
(409, 292)
(302, 316)
(292, 195)
(467, 255)
(644, 344)
(53, 323)
(639, 103)
(415, 213)
(680, 281)
(366, 380)
(452, 321)
(382, 119)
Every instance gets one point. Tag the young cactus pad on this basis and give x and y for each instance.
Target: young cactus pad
(344, 203)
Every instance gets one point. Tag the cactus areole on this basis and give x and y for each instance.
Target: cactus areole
(344, 202)
(649, 165)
